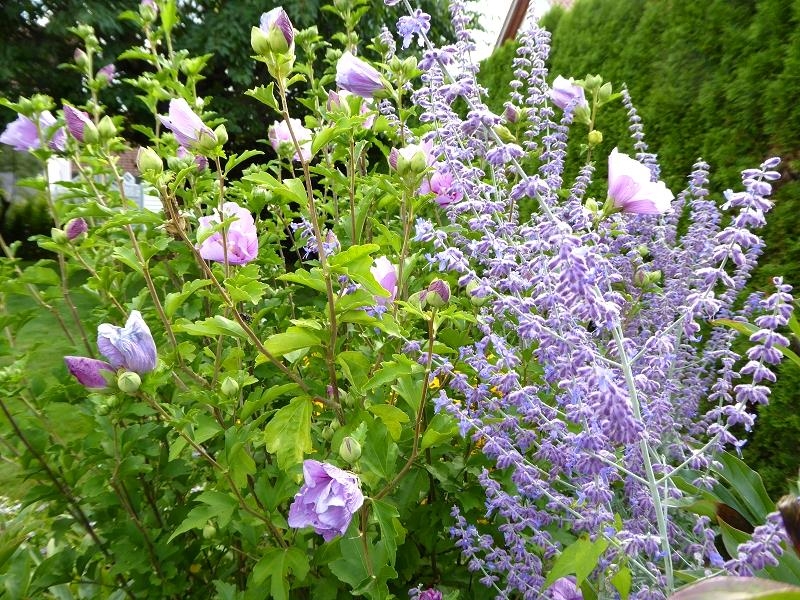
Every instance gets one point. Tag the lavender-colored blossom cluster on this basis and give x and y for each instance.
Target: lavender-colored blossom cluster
(604, 369)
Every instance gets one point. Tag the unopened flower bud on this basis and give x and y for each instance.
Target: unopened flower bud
(58, 235)
(148, 159)
(106, 128)
(438, 293)
(148, 10)
(327, 432)
(592, 82)
(511, 113)
(221, 134)
(605, 92)
(643, 250)
(229, 387)
(80, 57)
(595, 137)
(209, 531)
(75, 228)
(350, 450)
(129, 382)
(591, 205)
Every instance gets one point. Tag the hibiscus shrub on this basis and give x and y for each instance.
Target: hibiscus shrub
(342, 364)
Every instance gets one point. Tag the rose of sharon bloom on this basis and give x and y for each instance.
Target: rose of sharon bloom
(22, 134)
(564, 93)
(131, 348)
(77, 122)
(281, 139)
(241, 236)
(185, 124)
(357, 77)
(442, 183)
(385, 273)
(327, 501)
(565, 589)
(630, 188)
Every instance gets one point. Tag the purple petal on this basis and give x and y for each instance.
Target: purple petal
(357, 77)
(131, 347)
(88, 371)
(21, 134)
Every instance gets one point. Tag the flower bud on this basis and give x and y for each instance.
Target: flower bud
(592, 82)
(438, 293)
(75, 228)
(221, 134)
(511, 113)
(129, 382)
(350, 450)
(148, 10)
(80, 57)
(276, 33)
(259, 42)
(106, 128)
(209, 531)
(327, 432)
(595, 137)
(148, 159)
(472, 288)
(605, 92)
(229, 387)
(58, 235)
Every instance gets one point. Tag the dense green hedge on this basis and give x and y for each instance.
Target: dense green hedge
(717, 80)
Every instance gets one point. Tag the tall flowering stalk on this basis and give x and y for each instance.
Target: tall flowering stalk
(610, 308)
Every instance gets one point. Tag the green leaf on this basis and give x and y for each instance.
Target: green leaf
(579, 559)
(288, 434)
(128, 257)
(737, 588)
(237, 159)
(174, 300)
(315, 279)
(323, 137)
(261, 398)
(265, 95)
(294, 338)
(169, 15)
(747, 485)
(276, 565)
(355, 366)
(53, 570)
(622, 581)
(379, 452)
(213, 326)
(392, 531)
(392, 417)
(442, 428)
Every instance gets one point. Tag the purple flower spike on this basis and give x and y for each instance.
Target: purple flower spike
(630, 188)
(185, 124)
(277, 20)
(130, 347)
(385, 274)
(327, 501)
(430, 594)
(77, 122)
(241, 236)
(357, 77)
(565, 94)
(88, 371)
(76, 227)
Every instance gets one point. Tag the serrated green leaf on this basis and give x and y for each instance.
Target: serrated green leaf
(322, 137)
(128, 257)
(392, 531)
(265, 95)
(288, 434)
(749, 329)
(276, 565)
(314, 279)
(392, 417)
(174, 300)
(213, 326)
(622, 581)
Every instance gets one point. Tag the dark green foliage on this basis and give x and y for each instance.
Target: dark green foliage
(23, 219)
(35, 32)
(715, 80)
